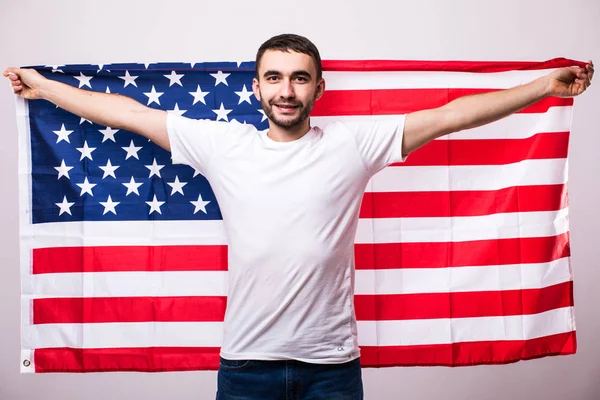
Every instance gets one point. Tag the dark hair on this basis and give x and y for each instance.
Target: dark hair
(290, 41)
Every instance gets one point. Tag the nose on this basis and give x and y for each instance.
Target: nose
(287, 89)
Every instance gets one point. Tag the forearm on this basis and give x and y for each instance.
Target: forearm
(476, 110)
(468, 112)
(106, 109)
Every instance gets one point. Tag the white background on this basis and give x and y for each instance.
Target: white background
(104, 31)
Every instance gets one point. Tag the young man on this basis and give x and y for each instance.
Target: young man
(290, 198)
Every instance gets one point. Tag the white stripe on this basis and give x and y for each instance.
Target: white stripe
(370, 333)
(460, 229)
(469, 177)
(462, 279)
(442, 229)
(126, 284)
(515, 126)
(25, 226)
(115, 233)
(131, 334)
(428, 79)
(446, 330)
(392, 281)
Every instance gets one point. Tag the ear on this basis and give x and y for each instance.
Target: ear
(256, 88)
(320, 89)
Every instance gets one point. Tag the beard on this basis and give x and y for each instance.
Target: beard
(304, 111)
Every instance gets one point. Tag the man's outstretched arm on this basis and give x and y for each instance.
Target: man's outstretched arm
(114, 110)
(472, 111)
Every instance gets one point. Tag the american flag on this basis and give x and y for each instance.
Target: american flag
(462, 252)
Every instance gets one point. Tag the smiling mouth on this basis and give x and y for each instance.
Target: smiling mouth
(286, 107)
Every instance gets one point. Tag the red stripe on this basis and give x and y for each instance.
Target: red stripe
(129, 258)
(129, 309)
(156, 359)
(145, 359)
(490, 151)
(469, 353)
(463, 304)
(463, 203)
(403, 101)
(375, 65)
(368, 256)
(457, 254)
(368, 307)
(446, 66)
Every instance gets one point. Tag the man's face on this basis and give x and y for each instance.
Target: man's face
(287, 87)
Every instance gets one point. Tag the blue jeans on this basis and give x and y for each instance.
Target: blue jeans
(288, 380)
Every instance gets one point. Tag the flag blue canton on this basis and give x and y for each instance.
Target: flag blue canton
(73, 174)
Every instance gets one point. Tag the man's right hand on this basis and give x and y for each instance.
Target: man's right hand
(25, 82)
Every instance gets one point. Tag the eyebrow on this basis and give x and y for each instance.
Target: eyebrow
(294, 74)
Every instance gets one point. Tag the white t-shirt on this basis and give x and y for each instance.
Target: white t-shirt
(290, 212)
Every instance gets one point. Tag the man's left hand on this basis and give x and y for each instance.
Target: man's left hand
(570, 81)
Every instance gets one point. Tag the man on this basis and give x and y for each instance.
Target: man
(290, 198)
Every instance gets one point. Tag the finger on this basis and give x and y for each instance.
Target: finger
(13, 77)
(10, 70)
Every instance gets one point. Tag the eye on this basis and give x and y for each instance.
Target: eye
(301, 79)
(272, 78)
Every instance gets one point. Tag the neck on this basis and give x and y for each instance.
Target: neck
(280, 134)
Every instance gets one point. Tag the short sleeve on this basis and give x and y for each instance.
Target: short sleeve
(379, 143)
(195, 142)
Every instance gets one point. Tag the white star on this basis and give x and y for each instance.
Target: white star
(109, 205)
(108, 133)
(155, 205)
(153, 96)
(220, 78)
(85, 151)
(82, 120)
(132, 150)
(263, 115)
(109, 169)
(199, 95)
(107, 90)
(244, 95)
(132, 187)
(65, 206)
(100, 66)
(129, 79)
(84, 80)
(55, 68)
(174, 78)
(222, 113)
(196, 173)
(63, 170)
(200, 204)
(154, 168)
(239, 63)
(177, 111)
(86, 187)
(63, 134)
(176, 186)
